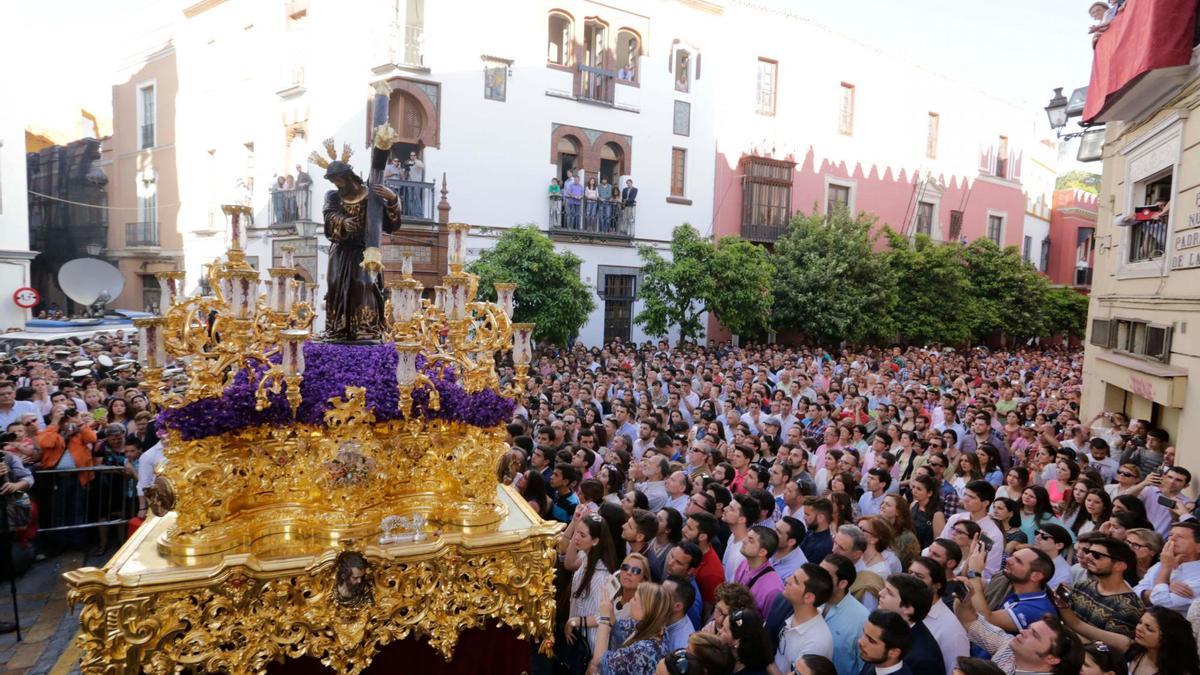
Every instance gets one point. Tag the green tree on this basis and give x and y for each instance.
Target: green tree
(731, 279)
(1079, 180)
(673, 291)
(1066, 311)
(829, 282)
(741, 295)
(933, 289)
(549, 290)
(1009, 295)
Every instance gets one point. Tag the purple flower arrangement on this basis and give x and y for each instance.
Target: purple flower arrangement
(329, 369)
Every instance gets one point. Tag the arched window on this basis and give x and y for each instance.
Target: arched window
(629, 50)
(568, 157)
(683, 65)
(612, 163)
(558, 39)
(407, 116)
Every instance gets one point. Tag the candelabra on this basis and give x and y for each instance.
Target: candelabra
(453, 331)
(231, 328)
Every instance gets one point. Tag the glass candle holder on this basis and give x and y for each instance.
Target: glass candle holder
(292, 357)
(406, 363)
(243, 293)
(152, 344)
(504, 298)
(522, 343)
(171, 285)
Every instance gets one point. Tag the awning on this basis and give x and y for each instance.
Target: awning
(1146, 36)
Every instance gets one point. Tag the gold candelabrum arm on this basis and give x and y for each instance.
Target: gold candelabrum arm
(406, 394)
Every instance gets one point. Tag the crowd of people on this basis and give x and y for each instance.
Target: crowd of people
(68, 407)
(592, 207)
(777, 510)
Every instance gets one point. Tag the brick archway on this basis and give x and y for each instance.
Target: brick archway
(589, 149)
(416, 92)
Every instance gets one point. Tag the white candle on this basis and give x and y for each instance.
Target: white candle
(171, 285)
(439, 296)
(456, 244)
(406, 264)
(456, 299)
(289, 257)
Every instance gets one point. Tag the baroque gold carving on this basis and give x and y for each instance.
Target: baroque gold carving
(242, 620)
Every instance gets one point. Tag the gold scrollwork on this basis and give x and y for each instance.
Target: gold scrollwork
(245, 619)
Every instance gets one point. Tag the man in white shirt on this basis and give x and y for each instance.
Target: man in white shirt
(1179, 563)
(1167, 486)
(976, 501)
(788, 557)
(741, 514)
(654, 487)
(805, 632)
(677, 497)
(11, 409)
(940, 621)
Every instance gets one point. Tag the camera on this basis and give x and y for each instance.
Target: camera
(1063, 593)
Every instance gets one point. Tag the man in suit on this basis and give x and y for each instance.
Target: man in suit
(628, 201)
(911, 598)
(883, 644)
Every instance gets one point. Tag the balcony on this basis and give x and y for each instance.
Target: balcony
(1083, 276)
(1147, 240)
(141, 234)
(762, 233)
(1143, 58)
(416, 199)
(596, 85)
(290, 206)
(591, 218)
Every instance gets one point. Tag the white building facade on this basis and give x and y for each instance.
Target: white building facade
(500, 98)
(15, 255)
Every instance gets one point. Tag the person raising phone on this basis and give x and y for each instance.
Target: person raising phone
(1029, 570)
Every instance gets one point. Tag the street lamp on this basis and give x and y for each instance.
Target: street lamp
(308, 229)
(1057, 110)
(93, 249)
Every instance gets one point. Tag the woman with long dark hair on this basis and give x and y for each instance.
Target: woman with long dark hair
(1096, 510)
(1036, 510)
(590, 558)
(895, 511)
(534, 490)
(926, 509)
(1014, 484)
(989, 464)
(1006, 513)
(1160, 630)
(745, 634)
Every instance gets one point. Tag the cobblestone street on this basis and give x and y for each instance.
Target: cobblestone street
(46, 625)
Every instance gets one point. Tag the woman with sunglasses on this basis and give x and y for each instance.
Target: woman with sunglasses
(1129, 477)
(1146, 544)
(639, 654)
(745, 634)
(634, 569)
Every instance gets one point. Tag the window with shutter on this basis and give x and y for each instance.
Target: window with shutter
(678, 169)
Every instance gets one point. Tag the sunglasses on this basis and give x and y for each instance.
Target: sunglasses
(632, 569)
(1096, 554)
(1042, 534)
(1127, 474)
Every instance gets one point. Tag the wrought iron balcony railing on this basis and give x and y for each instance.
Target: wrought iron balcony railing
(592, 217)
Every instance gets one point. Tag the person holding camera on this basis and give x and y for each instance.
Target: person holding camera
(1162, 493)
(67, 441)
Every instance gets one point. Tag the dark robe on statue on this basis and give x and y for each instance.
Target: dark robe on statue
(354, 305)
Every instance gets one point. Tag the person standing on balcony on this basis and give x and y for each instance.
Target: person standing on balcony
(628, 201)
(574, 197)
(412, 194)
(303, 188)
(289, 198)
(277, 196)
(555, 203)
(605, 195)
(591, 197)
(615, 212)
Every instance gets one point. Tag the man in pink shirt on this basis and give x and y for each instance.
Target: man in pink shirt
(756, 572)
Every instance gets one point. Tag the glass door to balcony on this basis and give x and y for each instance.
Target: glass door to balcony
(618, 306)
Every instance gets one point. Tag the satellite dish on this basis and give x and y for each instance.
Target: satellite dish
(88, 280)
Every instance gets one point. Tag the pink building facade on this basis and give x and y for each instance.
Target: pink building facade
(809, 119)
(1073, 237)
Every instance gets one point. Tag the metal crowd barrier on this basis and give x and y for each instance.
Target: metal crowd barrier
(63, 504)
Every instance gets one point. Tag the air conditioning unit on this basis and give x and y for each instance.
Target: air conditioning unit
(1104, 333)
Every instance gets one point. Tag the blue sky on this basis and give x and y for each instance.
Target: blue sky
(1017, 49)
